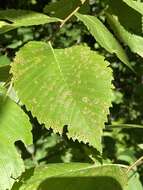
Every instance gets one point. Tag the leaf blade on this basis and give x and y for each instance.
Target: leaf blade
(14, 126)
(18, 18)
(138, 6)
(61, 9)
(134, 42)
(104, 37)
(69, 88)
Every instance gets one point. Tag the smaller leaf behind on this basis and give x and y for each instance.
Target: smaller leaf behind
(134, 42)
(11, 19)
(129, 18)
(126, 26)
(61, 9)
(138, 6)
(104, 37)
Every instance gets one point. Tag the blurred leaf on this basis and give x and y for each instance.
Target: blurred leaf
(61, 9)
(137, 5)
(140, 146)
(117, 97)
(18, 18)
(4, 61)
(127, 156)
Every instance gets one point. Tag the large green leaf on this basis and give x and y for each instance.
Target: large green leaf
(11, 19)
(104, 37)
(135, 42)
(14, 126)
(65, 87)
(75, 176)
(138, 6)
(61, 9)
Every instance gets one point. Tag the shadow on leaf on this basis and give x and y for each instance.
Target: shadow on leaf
(82, 183)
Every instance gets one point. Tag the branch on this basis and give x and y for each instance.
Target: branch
(66, 19)
(137, 163)
(72, 13)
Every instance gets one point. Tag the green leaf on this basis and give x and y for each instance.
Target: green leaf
(130, 19)
(134, 182)
(127, 155)
(74, 176)
(61, 9)
(104, 37)
(138, 6)
(134, 42)
(4, 61)
(4, 68)
(12, 19)
(65, 87)
(14, 126)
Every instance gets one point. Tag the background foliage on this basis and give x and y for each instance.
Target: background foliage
(122, 146)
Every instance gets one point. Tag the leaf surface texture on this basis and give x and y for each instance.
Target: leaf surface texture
(65, 87)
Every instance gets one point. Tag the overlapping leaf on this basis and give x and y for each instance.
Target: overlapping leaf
(129, 18)
(14, 126)
(75, 176)
(65, 87)
(121, 29)
(133, 41)
(11, 19)
(61, 9)
(137, 5)
(104, 37)
(134, 181)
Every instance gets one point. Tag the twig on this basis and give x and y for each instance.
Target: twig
(65, 20)
(136, 163)
(71, 14)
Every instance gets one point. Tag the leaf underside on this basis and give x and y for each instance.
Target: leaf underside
(65, 87)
